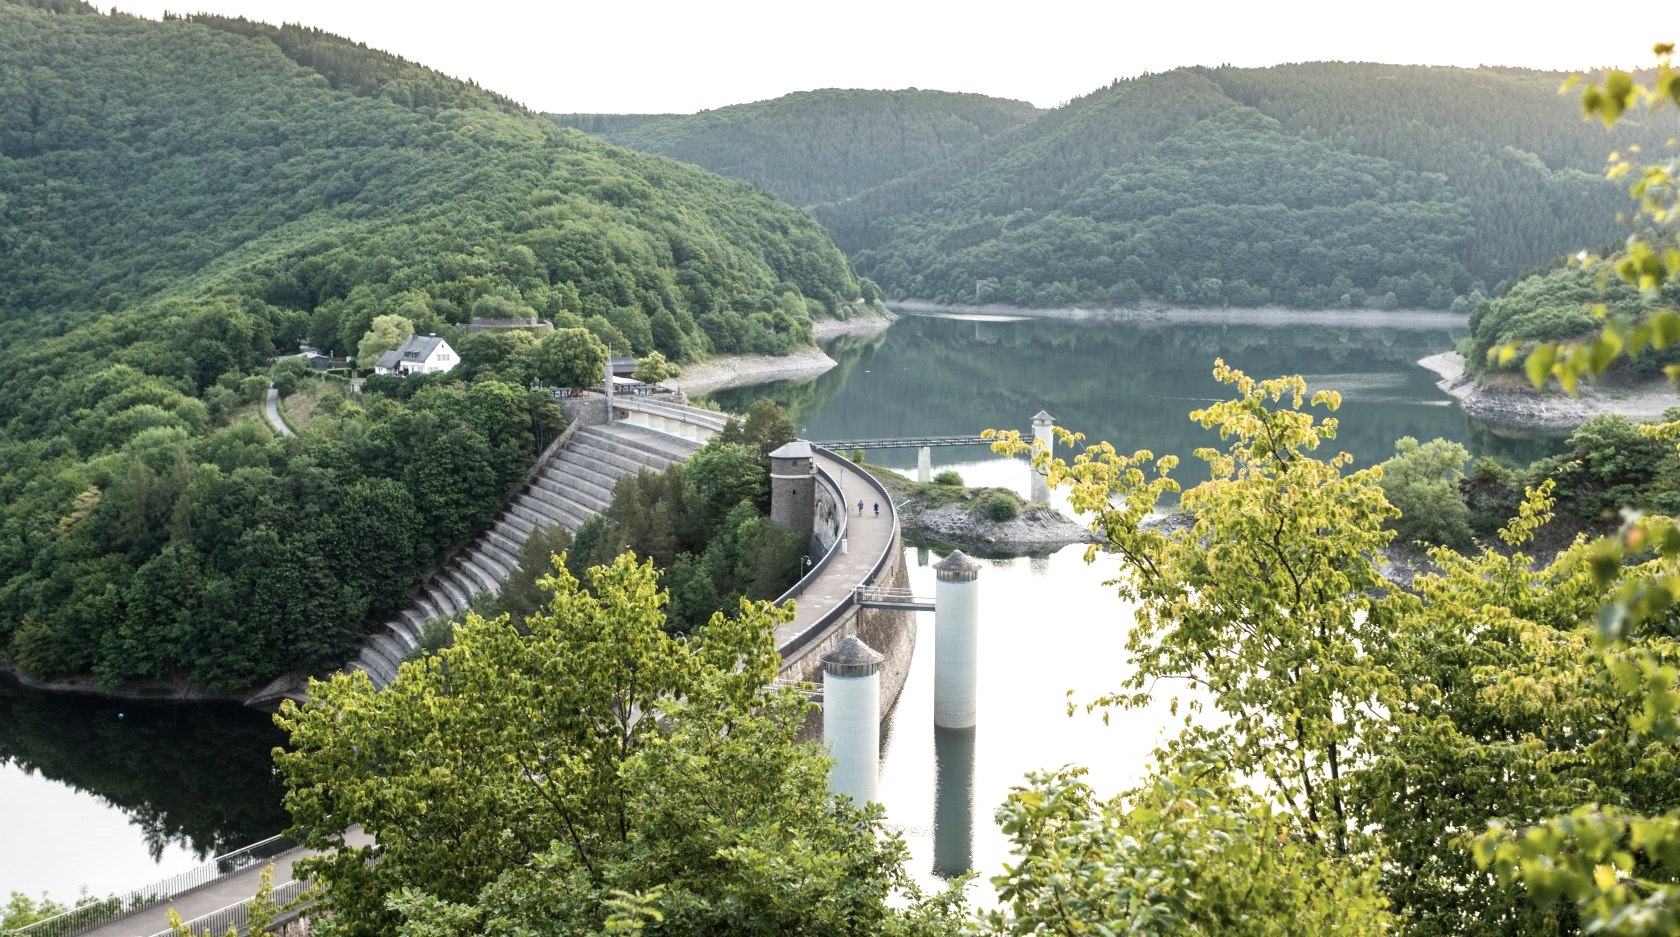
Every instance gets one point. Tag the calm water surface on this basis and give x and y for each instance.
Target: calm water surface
(113, 795)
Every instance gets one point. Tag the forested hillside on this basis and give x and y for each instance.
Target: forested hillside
(179, 201)
(817, 146)
(1315, 185)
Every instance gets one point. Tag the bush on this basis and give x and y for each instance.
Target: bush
(948, 477)
(999, 505)
(1422, 480)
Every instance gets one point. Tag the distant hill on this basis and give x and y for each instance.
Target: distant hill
(1314, 185)
(817, 146)
(182, 200)
(1304, 185)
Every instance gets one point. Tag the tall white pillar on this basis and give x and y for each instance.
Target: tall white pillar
(924, 464)
(956, 641)
(1044, 439)
(852, 719)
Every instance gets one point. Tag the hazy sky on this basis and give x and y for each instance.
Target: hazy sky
(658, 56)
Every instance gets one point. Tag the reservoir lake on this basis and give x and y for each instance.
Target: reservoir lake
(111, 795)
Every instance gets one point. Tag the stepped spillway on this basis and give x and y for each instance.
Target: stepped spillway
(574, 482)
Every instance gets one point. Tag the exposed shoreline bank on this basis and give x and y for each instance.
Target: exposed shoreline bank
(734, 370)
(1519, 408)
(1262, 316)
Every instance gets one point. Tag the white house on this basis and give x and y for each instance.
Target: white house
(420, 354)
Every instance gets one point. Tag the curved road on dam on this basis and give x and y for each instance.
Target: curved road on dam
(868, 538)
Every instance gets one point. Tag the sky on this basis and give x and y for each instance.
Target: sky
(655, 56)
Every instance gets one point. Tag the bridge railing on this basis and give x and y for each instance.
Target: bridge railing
(816, 629)
(238, 914)
(109, 909)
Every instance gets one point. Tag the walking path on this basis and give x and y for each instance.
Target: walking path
(213, 897)
(271, 410)
(868, 536)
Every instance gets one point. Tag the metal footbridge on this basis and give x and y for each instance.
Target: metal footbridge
(922, 444)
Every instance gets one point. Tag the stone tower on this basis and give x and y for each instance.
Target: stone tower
(793, 488)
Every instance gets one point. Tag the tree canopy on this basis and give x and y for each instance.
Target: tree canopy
(180, 201)
(549, 774)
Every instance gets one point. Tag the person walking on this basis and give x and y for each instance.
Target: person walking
(877, 509)
(860, 507)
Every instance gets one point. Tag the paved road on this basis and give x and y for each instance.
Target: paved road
(271, 409)
(868, 535)
(213, 897)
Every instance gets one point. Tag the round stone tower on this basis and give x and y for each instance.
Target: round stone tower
(793, 488)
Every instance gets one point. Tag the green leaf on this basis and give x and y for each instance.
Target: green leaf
(1539, 364)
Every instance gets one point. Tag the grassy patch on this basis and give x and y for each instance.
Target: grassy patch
(932, 495)
(299, 408)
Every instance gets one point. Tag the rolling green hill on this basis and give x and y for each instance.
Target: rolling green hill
(1313, 185)
(179, 201)
(817, 146)
(1304, 185)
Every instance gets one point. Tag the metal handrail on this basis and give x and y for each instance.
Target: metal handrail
(238, 914)
(810, 576)
(116, 906)
(799, 641)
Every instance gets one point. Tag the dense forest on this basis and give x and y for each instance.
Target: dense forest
(1560, 305)
(817, 146)
(1311, 186)
(181, 201)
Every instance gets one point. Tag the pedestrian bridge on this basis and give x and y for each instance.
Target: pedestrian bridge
(923, 445)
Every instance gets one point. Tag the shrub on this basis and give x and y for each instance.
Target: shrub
(948, 477)
(999, 505)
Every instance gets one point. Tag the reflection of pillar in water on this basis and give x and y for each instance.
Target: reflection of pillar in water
(953, 802)
(956, 641)
(852, 719)
(1044, 437)
(921, 556)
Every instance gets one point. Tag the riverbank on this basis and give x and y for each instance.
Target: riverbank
(804, 363)
(1262, 316)
(1511, 402)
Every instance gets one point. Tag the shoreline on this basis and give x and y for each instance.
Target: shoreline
(808, 363)
(1520, 409)
(1259, 316)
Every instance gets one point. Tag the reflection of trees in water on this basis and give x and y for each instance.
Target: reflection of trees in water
(198, 774)
(1132, 383)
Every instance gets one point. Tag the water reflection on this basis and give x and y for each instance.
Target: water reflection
(197, 775)
(953, 801)
(1132, 383)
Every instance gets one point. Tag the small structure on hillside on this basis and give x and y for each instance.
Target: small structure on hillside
(482, 324)
(320, 362)
(419, 354)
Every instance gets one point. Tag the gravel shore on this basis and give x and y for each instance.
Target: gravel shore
(1520, 408)
(733, 370)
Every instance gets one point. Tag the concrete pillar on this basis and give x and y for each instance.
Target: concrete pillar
(953, 801)
(852, 719)
(956, 641)
(921, 556)
(924, 464)
(1044, 438)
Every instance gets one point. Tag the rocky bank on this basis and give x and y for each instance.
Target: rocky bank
(734, 370)
(1510, 402)
(955, 516)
